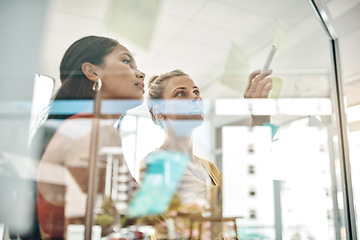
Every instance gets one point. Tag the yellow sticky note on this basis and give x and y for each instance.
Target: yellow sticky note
(134, 20)
(281, 35)
(236, 69)
(277, 84)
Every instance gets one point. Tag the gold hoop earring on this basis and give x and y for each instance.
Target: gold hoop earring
(97, 85)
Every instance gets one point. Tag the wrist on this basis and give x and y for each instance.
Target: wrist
(259, 120)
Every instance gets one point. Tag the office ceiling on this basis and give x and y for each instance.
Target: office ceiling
(198, 35)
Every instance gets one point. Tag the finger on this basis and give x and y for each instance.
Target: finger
(256, 87)
(252, 89)
(263, 88)
(262, 76)
(252, 75)
(249, 94)
(260, 87)
(266, 90)
(257, 80)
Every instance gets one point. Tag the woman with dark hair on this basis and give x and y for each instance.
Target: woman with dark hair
(92, 58)
(73, 142)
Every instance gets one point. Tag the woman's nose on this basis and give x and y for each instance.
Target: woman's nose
(195, 97)
(140, 74)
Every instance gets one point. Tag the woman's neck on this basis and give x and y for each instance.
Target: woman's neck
(178, 142)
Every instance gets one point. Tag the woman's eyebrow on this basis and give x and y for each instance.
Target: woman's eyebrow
(183, 88)
(127, 55)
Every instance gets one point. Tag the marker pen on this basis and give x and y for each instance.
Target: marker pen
(269, 58)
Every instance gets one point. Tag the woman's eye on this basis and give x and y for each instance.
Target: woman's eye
(180, 94)
(197, 93)
(126, 61)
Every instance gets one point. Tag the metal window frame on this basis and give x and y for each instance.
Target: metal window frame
(323, 14)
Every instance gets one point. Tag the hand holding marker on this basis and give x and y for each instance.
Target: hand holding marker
(261, 86)
(278, 44)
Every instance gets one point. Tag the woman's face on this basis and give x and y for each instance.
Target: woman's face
(182, 88)
(120, 77)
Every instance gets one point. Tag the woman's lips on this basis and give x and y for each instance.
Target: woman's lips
(140, 85)
(197, 110)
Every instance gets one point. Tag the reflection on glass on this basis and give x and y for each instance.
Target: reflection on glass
(43, 91)
(63, 176)
(263, 161)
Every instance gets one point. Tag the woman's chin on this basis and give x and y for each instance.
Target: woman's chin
(118, 106)
(185, 125)
(133, 103)
(196, 117)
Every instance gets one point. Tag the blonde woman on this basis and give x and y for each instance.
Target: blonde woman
(175, 104)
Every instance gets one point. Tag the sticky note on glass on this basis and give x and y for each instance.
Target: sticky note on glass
(276, 87)
(134, 20)
(274, 129)
(236, 69)
(279, 42)
(163, 174)
(281, 36)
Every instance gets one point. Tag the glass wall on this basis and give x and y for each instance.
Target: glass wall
(351, 75)
(223, 148)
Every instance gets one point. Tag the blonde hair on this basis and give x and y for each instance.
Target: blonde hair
(156, 86)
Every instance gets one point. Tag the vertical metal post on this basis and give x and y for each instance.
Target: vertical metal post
(277, 209)
(109, 175)
(92, 182)
(350, 218)
(334, 187)
(326, 21)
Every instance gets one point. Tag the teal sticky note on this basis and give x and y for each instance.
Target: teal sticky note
(163, 174)
(273, 127)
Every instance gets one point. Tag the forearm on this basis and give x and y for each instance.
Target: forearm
(259, 120)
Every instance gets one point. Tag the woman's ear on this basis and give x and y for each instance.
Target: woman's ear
(89, 71)
(158, 114)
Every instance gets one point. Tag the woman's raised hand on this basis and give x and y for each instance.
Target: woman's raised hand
(259, 84)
